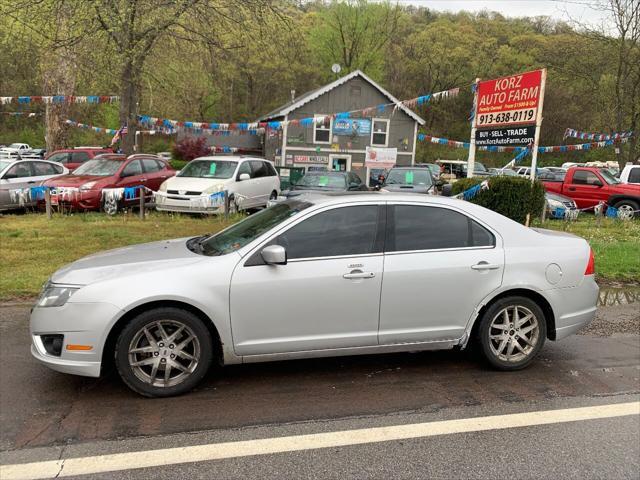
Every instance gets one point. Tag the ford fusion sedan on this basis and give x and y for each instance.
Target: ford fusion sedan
(314, 276)
(250, 182)
(85, 184)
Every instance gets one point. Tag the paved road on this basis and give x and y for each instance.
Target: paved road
(45, 414)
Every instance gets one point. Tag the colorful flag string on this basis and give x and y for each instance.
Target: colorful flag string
(58, 99)
(571, 133)
(495, 148)
(305, 122)
(20, 114)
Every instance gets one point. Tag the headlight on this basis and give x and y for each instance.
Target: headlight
(87, 186)
(554, 203)
(55, 296)
(163, 187)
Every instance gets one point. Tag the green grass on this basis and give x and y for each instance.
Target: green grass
(32, 247)
(615, 243)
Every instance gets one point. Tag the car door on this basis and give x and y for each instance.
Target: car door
(585, 188)
(19, 176)
(261, 181)
(245, 190)
(152, 173)
(326, 296)
(439, 264)
(132, 175)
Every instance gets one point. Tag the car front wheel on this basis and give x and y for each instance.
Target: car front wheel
(163, 352)
(512, 332)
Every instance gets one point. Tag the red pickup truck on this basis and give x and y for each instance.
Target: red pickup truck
(588, 186)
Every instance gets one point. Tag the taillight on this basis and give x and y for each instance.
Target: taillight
(591, 267)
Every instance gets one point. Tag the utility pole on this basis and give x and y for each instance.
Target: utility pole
(471, 161)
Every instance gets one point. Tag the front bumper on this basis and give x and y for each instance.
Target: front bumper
(81, 324)
(574, 307)
(187, 204)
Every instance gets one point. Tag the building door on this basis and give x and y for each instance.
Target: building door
(340, 163)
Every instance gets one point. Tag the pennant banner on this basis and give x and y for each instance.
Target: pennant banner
(57, 99)
(571, 133)
(20, 114)
(493, 148)
(108, 131)
(305, 122)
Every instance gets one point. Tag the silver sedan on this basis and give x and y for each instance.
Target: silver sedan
(315, 276)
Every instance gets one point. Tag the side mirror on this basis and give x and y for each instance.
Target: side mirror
(274, 255)
(447, 190)
(243, 176)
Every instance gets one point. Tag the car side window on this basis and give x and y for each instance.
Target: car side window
(133, 168)
(43, 168)
(340, 231)
(413, 227)
(259, 169)
(271, 169)
(585, 177)
(20, 170)
(150, 165)
(79, 157)
(59, 157)
(245, 167)
(634, 175)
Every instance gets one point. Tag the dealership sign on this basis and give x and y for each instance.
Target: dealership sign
(522, 135)
(360, 127)
(509, 100)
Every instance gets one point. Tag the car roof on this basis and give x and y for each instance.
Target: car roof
(232, 158)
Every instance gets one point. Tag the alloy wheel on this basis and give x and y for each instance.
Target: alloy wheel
(110, 206)
(164, 353)
(625, 212)
(514, 333)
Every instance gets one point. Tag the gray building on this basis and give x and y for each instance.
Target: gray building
(359, 142)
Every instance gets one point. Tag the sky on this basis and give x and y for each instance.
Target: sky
(567, 10)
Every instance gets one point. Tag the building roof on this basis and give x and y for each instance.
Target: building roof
(313, 94)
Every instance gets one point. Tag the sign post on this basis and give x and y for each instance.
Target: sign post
(534, 152)
(471, 161)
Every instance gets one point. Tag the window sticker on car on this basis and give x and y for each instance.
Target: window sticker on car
(408, 177)
(212, 168)
(323, 181)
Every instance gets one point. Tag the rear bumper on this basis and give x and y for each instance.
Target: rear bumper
(574, 307)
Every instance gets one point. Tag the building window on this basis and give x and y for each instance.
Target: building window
(322, 129)
(380, 132)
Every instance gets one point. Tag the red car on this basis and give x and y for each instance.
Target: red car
(72, 158)
(588, 186)
(82, 189)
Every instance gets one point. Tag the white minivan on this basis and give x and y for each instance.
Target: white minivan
(199, 187)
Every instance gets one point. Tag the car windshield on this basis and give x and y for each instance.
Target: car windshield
(608, 177)
(209, 169)
(102, 167)
(322, 181)
(435, 169)
(244, 232)
(4, 165)
(409, 176)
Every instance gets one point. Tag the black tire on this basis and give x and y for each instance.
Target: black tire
(182, 381)
(273, 195)
(233, 206)
(111, 207)
(489, 347)
(629, 206)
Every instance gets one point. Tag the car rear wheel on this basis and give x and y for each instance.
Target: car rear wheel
(627, 209)
(163, 352)
(512, 332)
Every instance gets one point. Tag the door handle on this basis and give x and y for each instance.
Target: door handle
(358, 274)
(572, 189)
(485, 266)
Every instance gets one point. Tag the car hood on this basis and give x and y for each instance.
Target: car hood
(77, 180)
(126, 261)
(194, 183)
(626, 188)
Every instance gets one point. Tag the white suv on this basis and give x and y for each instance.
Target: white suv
(199, 187)
(630, 174)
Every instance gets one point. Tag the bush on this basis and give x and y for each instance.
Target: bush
(512, 197)
(191, 147)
